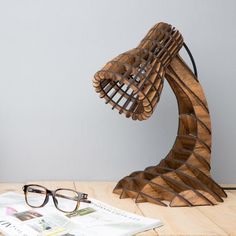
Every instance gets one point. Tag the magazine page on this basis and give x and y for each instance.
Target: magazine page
(17, 219)
(95, 218)
(111, 221)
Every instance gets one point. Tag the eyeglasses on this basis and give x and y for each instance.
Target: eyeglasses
(65, 200)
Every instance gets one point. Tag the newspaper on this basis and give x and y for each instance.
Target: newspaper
(95, 218)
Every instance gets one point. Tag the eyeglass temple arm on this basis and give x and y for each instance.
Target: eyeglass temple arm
(82, 197)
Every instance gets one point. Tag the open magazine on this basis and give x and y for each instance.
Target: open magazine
(95, 218)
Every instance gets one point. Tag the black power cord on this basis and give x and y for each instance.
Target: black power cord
(229, 188)
(191, 58)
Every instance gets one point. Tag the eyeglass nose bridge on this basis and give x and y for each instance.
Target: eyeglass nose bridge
(52, 194)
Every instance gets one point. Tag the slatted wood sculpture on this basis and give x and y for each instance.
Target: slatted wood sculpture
(132, 83)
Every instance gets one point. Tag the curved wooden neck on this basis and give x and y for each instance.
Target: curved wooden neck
(194, 132)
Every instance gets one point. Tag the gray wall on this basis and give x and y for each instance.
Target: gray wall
(52, 123)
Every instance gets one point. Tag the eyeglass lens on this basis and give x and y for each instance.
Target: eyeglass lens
(36, 195)
(67, 200)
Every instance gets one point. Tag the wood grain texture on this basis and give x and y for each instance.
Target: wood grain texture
(132, 83)
(8, 187)
(218, 220)
(223, 215)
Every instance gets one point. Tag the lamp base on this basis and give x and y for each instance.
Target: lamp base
(158, 185)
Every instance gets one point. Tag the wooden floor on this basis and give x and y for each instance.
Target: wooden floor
(202, 221)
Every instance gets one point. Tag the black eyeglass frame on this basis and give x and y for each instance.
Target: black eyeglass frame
(81, 197)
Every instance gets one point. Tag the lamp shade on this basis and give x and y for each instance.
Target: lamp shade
(133, 81)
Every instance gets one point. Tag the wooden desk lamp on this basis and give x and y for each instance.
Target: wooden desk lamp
(132, 83)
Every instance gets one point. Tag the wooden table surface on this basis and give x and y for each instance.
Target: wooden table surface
(185, 221)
